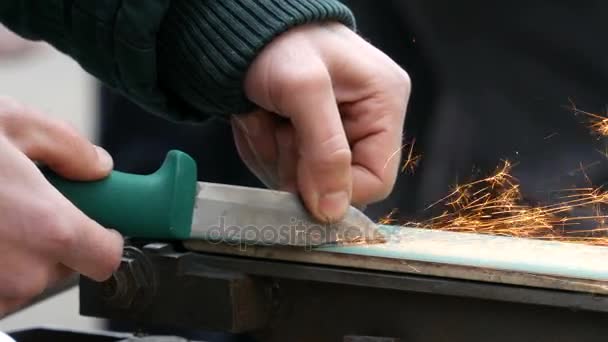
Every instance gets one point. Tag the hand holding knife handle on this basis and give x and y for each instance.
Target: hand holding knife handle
(155, 206)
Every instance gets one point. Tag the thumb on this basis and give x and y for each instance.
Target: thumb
(324, 165)
(58, 146)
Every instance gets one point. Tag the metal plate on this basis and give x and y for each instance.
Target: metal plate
(485, 258)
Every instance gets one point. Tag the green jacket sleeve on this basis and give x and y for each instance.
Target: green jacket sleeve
(183, 59)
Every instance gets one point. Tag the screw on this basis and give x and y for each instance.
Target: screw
(129, 284)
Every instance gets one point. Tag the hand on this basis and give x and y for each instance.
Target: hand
(43, 237)
(331, 118)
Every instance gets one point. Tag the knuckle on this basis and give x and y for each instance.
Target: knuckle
(401, 82)
(332, 152)
(11, 115)
(59, 235)
(396, 81)
(309, 78)
(66, 133)
(66, 129)
(334, 162)
(340, 156)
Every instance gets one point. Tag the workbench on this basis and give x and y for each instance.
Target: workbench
(427, 286)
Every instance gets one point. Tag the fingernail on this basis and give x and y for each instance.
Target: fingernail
(333, 206)
(121, 240)
(116, 233)
(104, 157)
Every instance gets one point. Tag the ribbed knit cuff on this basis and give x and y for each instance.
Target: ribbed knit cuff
(206, 46)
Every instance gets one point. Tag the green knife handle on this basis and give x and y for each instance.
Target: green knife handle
(156, 206)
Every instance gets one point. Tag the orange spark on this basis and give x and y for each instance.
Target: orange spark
(412, 160)
(389, 218)
(493, 205)
(597, 123)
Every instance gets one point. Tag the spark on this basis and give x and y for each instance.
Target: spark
(597, 123)
(583, 170)
(604, 153)
(494, 206)
(388, 219)
(412, 161)
(393, 155)
(550, 136)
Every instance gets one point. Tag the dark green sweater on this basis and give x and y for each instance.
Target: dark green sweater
(182, 59)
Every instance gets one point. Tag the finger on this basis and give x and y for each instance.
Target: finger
(67, 236)
(8, 306)
(89, 249)
(59, 275)
(324, 167)
(374, 172)
(24, 276)
(373, 92)
(36, 279)
(254, 139)
(375, 133)
(55, 144)
(373, 116)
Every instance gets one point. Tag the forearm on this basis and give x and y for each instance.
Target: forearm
(182, 58)
(206, 47)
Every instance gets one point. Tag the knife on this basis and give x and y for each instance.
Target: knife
(170, 204)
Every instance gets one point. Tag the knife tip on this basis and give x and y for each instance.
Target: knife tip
(357, 229)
